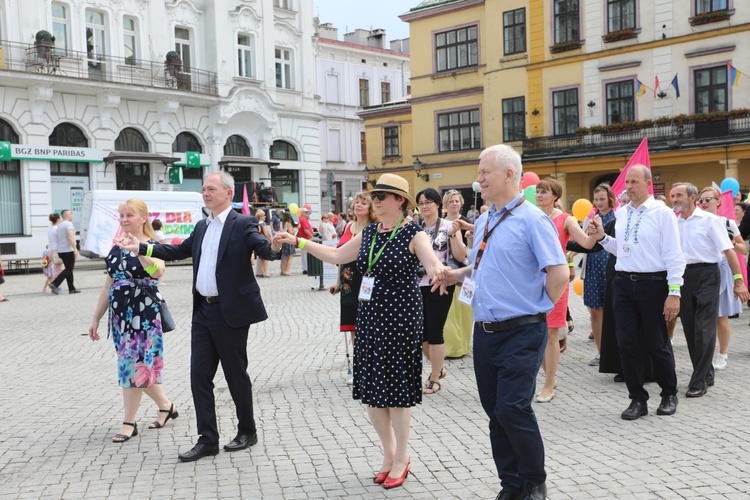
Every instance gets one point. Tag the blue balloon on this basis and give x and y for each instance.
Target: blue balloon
(730, 183)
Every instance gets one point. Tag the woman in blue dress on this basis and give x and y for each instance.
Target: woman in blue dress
(134, 321)
(595, 272)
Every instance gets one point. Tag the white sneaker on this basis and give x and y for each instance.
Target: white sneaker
(594, 361)
(720, 362)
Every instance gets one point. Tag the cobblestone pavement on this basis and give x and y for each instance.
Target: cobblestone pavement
(60, 406)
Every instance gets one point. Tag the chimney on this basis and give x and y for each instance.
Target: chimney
(329, 31)
(376, 38)
(400, 45)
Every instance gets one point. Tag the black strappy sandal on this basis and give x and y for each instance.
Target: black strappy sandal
(171, 413)
(121, 438)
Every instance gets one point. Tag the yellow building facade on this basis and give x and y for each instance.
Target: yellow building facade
(573, 87)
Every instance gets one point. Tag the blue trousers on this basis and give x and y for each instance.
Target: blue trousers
(506, 364)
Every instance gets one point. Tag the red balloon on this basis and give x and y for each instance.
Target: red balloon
(529, 179)
(176, 240)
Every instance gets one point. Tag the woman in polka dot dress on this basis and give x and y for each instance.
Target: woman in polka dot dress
(135, 321)
(388, 344)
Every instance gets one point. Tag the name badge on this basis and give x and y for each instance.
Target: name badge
(625, 250)
(365, 290)
(467, 291)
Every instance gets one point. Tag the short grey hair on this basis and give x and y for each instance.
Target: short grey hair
(690, 188)
(226, 179)
(505, 156)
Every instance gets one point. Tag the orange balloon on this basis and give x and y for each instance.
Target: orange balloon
(581, 209)
(578, 286)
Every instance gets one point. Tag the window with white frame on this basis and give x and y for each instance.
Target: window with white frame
(385, 92)
(130, 40)
(459, 130)
(96, 34)
(60, 28)
(620, 15)
(457, 48)
(244, 55)
(283, 68)
(704, 6)
(567, 21)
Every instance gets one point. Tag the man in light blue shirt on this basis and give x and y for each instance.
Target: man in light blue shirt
(518, 271)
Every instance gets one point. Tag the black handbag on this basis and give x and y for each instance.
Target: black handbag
(167, 321)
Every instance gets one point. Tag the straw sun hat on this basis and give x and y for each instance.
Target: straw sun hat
(392, 183)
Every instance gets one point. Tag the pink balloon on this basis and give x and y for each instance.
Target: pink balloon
(176, 240)
(529, 179)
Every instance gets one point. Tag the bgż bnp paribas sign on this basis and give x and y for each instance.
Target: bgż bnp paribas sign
(10, 152)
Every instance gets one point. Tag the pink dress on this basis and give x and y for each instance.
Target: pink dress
(557, 318)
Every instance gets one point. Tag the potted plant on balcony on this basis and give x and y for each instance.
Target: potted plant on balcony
(616, 36)
(646, 123)
(565, 46)
(596, 129)
(45, 44)
(710, 17)
(581, 131)
(663, 121)
(739, 113)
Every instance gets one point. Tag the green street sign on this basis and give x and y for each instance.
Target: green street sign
(193, 159)
(175, 175)
(5, 154)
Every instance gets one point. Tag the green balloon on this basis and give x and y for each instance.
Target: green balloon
(530, 194)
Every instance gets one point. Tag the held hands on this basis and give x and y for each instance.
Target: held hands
(671, 307)
(284, 237)
(128, 242)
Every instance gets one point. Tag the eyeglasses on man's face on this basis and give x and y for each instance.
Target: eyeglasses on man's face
(379, 195)
(706, 199)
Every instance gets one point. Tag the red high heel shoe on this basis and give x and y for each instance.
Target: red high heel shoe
(394, 482)
(380, 477)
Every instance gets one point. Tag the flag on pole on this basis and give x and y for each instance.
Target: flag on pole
(640, 157)
(656, 84)
(676, 86)
(640, 89)
(734, 75)
(245, 202)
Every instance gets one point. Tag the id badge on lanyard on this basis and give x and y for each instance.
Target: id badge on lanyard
(467, 291)
(366, 288)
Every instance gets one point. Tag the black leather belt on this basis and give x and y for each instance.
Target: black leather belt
(210, 300)
(660, 276)
(698, 265)
(512, 323)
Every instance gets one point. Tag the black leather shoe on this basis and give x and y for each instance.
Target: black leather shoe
(668, 405)
(241, 442)
(535, 492)
(695, 393)
(710, 382)
(199, 451)
(636, 410)
(74, 291)
(619, 378)
(506, 495)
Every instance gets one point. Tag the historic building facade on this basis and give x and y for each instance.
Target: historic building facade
(106, 95)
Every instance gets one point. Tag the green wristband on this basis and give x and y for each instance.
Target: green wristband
(151, 269)
(302, 243)
(571, 264)
(149, 250)
(737, 277)
(674, 287)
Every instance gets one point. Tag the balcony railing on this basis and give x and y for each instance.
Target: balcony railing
(672, 136)
(47, 60)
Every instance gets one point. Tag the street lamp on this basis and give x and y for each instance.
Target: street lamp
(418, 170)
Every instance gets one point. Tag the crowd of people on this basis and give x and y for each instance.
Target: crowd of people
(414, 273)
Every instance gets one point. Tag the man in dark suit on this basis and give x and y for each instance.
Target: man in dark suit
(226, 301)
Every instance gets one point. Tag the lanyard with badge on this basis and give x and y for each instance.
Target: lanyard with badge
(469, 286)
(626, 245)
(368, 282)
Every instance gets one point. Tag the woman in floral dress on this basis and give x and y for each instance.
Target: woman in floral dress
(134, 321)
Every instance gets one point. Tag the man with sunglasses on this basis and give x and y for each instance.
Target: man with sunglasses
(703, 239)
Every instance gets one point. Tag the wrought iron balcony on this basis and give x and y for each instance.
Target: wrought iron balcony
(687, 135)
(47, 60)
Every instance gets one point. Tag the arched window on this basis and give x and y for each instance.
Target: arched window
(131, 139)
(11, 220)
(192, 177)
(282, 150)
(130, 175)
(237, 146)
(71, 179)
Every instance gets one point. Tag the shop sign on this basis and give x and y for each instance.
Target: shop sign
(192, 159)
(10, 152)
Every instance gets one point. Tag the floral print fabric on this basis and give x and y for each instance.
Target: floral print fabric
(134, 321)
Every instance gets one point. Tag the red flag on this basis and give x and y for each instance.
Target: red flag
(245, 202)
(656, 84)
(640, 157)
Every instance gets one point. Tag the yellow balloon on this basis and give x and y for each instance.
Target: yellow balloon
(293, 208)
(578, 286)
(581, 209)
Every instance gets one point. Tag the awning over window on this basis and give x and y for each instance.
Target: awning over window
(130, 157)
(245, 161)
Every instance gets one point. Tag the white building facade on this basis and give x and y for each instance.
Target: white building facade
(128, 87)
(353, 74)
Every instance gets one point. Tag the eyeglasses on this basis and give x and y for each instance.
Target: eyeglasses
(425, 203)
(706, 199)
(379, 195)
